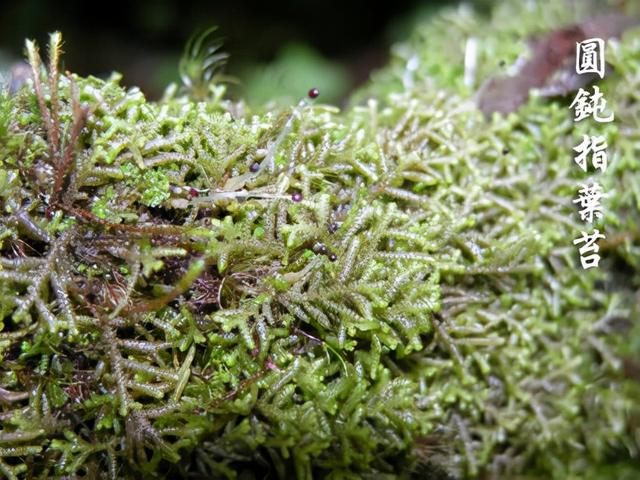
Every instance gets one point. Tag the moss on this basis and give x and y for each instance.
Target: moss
(417, 307)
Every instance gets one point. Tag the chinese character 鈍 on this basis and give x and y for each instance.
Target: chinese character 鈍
(589, 246)
(596, 146)
(590, 56)
(587, 105)
(589, 200)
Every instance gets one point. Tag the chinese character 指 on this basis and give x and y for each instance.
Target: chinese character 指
(596, 146)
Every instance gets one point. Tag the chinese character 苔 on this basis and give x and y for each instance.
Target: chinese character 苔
(596, 146)
(589, 200)
(587, 105)
(590, 245)
(590, 56)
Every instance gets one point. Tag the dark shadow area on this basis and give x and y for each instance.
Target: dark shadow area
(144, 40)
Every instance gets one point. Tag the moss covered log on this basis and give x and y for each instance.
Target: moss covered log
(195, 289)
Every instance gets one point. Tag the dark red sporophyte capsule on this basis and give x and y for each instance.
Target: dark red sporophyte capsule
(49, 213)
(333, 257)
(333, 227)
(254, 167)
(297, 197)
(313, 93)
(193, 192)
(320, 248)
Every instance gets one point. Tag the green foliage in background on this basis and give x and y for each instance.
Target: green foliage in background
(289, 76)
(192, 290)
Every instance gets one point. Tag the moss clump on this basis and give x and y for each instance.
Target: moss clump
(192, 290)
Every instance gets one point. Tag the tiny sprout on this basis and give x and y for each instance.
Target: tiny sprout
(333, 257)
(313, 93)
(202, 63)
(297, 197)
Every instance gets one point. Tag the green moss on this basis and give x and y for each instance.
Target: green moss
(100, 208)
(167, 312)
(154, 187)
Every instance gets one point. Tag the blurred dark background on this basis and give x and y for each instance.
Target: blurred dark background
(273, 46)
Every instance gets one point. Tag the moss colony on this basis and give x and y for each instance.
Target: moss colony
(192, 290)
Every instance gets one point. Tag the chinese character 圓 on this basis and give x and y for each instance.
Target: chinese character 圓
(590, 245)
(590, 56)
(596, 146)
(587, 105)
(589, 200)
